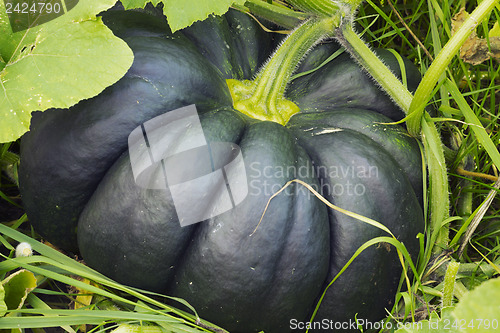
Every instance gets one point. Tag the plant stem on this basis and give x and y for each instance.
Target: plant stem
(263, 98)
(449, 283)
(375, 67)
(325, 8)
(354, 4)
(280, 15)
(468, 173)
(434, 154)
(439, 201)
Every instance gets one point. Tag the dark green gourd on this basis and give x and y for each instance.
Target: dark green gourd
(79, 192)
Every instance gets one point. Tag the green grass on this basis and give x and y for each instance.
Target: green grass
(465, 110)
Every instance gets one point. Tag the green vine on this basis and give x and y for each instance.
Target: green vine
(281, 15)
(322, 8)
(374, 66)
(433, 148)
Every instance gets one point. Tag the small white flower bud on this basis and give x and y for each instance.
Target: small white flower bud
(23, 250)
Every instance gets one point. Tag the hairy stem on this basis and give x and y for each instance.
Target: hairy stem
(281, 15)
(449, 283)
(433, 148)
(375, 67)
(263, 98)
(317, 7)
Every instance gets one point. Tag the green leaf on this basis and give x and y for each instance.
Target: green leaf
(478, 310)
(56, 64)
(3, 306)
(182, 13)
(130, 328)
(495, 31)
(24, 14)
(17, 286)
(130, 4)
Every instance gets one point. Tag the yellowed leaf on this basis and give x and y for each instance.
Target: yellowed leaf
(495, 31)
(477, 50)
(83, 298)
(17, 286)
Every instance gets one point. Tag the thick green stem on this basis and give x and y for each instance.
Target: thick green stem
(434, 154)
(373, 65)
(326, 8)
(439, 201)
(353, 3)
(449, 283)
(281, 15)
(263, 98)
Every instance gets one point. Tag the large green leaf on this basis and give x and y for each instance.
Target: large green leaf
(56, 64)
(183, 13)
(479, 310)
(17, 286)
(3, 306)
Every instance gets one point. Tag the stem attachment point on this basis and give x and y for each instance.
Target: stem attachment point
(263, 98)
